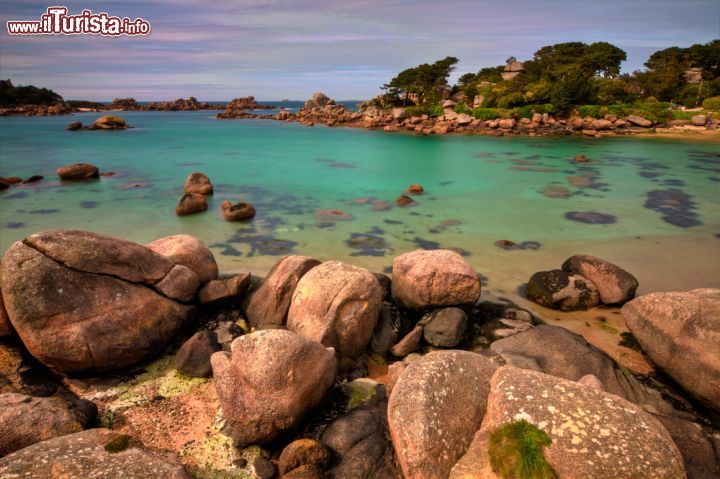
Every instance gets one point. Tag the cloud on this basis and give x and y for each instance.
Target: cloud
(276, 48)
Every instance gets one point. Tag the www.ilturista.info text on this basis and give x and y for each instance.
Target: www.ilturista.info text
(56, 21)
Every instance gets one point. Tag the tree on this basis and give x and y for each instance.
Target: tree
(426, 81)
(26, 95)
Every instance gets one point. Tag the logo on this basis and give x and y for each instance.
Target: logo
(56, 21)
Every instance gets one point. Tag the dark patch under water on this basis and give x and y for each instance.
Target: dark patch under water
(591, 217)
(89, 204)
(227, 250)
(14, 225)
(676, 206)
(264, 244)
(44, 211)
(367, 244)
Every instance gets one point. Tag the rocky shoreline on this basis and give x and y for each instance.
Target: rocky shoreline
(142, 360)
(322, 110)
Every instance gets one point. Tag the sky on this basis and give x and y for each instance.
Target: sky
(276, 49)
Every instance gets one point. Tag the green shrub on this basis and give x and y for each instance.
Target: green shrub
(486, 113)
(712, 103)
(510, 100)
(515, 450)
(683, 115)
(592, 111)
(435, 110)
(415, 111)
(462, 108)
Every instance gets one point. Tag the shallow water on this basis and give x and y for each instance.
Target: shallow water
(652, 205)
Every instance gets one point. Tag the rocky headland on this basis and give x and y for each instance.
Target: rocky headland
(322, 110)
(125, 360)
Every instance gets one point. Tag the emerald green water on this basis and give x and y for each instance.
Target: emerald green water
(478, 190)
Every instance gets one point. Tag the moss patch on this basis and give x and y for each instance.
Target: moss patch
(516, 452)
(118, 443)
(359, 391)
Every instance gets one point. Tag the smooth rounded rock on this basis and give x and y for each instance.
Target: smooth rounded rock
(78, 171)
(193, 357)
(269, 381)
(267, 305)
(336, 304)
(25, 420)
(187, 251)
(445, 327)
(191, 203)
(425, 279)
(558, 289)
(428, 431)
(614, 284)
(198, 183)
(680, 332)
(593, 433)
(238, 211)
(77, 321)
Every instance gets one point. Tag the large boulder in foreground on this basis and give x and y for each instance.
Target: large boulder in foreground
(593, 433)
(435, 408)
(86, 302)
(190, 252)
(269, 381)
(614, 284)
(336, 304)
(26, 420)
(92, 453)
(680, 332)
(433, 278)
(267, 305)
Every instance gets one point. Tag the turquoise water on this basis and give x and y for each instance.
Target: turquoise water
(478, 190)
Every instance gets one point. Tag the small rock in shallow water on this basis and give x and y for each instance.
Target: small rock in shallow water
(191, 203)
(404, 200)
(78, 171)
(238, 211)
(33, 179)
(198, 183)
(415, 189)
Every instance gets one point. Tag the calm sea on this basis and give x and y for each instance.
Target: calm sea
(652, 205)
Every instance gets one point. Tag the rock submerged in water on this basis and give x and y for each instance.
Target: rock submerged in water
(198, 183)
(333, 215)
(269, 381)
(74, 125)
(680, 332)
(593, 433)
(91, 453)
(238, 211)
(81, 301)
(267, 305)
(336, 304)
(423, 279)
(191, 203)
(591, 217)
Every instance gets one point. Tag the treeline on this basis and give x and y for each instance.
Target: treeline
(567, 75)
(11, 95)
